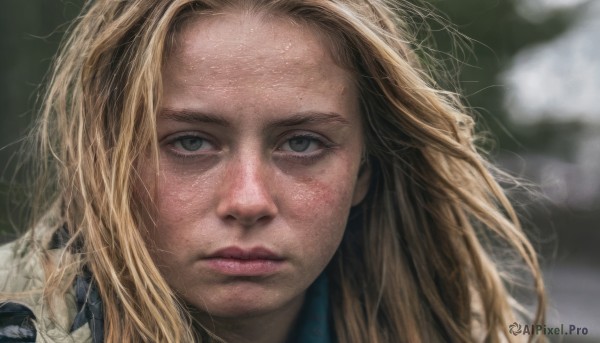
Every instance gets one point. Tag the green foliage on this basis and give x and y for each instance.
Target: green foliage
(497, 32)
(30, 32)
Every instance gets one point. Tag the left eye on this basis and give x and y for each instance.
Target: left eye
(301, 144)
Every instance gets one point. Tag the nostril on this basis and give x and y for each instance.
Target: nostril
(246, 217)
(248, 221)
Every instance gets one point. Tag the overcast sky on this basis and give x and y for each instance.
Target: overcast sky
(541, 7)
(560, 79)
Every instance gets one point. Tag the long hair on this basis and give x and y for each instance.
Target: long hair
(415, 264)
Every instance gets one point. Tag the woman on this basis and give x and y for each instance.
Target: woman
(258, 171)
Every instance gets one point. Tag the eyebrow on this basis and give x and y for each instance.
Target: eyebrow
(192, 117)
(300, 118)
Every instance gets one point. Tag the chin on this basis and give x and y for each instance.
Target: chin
(244, 300)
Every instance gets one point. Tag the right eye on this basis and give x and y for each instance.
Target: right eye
(191, 145)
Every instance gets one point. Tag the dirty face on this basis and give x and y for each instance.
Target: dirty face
(260, 147)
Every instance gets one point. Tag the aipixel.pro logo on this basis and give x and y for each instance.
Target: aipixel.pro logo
(515, 328)
(537, 329)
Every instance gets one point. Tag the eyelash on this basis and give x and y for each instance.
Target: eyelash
(323, 147)
(187, 154)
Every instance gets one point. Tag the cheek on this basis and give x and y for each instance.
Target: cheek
(181, 200)
(322, 205)
(182, 195)
(317, 198)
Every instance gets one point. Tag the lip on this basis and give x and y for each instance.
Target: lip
(257, 253)
(235, 261)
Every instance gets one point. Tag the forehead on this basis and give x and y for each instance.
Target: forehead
(241, 42)
(234, 61)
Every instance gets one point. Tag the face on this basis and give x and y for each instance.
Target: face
(260, 147)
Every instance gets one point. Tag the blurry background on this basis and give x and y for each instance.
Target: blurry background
(532, 77)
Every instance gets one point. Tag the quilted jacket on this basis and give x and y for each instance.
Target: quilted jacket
(26, 318)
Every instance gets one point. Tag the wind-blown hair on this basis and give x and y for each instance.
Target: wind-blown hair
(415, 264)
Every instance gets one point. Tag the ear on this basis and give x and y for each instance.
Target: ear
(362, 183)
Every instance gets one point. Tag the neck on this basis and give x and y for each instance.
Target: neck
(272, 327)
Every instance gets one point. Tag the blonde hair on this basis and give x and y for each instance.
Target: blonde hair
(414, 265)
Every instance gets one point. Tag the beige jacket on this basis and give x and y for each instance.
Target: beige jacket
(22, 279)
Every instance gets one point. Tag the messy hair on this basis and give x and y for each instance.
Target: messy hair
(416, 262)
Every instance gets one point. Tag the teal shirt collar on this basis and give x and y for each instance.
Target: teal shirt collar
(314, 322)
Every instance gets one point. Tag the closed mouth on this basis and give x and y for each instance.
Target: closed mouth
(236, 253)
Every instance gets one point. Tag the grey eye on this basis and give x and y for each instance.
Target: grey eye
(191, 143)
(299, 144)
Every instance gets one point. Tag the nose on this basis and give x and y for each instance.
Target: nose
(246, 196)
